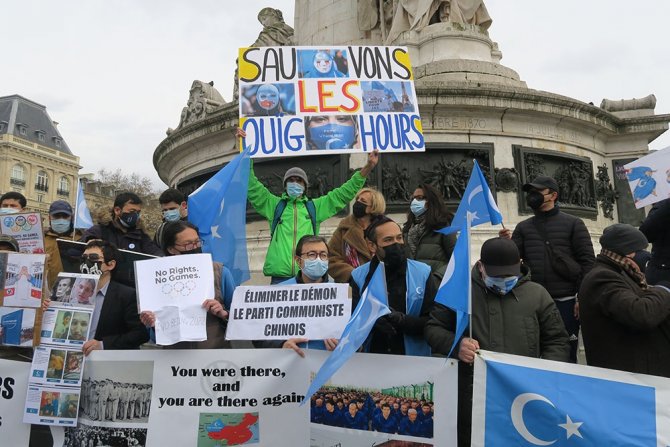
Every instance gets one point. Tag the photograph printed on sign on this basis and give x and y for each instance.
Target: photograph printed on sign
(87, 435)
(387, 96)
(323, 63)
(331, 132)
(17, 326)
(267, 100)
(23, 280)
(74, 290)
(46, 405)
(56, 366)
(65, 326)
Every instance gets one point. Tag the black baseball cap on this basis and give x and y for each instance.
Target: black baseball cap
(541, 182)
(500, 257)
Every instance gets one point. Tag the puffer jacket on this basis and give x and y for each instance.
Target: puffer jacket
(122, 238)
(523, 322)
(295, 221)
(624, 326)
(655, 228)
(434, 249)
(569, 235)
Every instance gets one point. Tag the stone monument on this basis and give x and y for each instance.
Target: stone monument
(471, 106)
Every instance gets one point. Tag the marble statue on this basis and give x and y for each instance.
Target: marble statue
(203, 99)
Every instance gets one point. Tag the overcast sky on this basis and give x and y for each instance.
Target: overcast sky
(116, 74)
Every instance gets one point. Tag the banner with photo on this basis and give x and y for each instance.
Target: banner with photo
(66, 326)
(26, 228)
(320, 100)
(565, 404)
(209, 398)
(22, 279)
(385, 400)
(313, 311)
(13, 386)
(649, 178)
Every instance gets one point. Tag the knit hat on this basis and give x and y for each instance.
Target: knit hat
(623, 239)
(296, 172)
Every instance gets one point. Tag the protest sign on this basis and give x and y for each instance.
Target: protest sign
(565, 404)
(312, 311)
(23, 278)
(649, 178)
(74, 289)
(65, 327)
(26, 228)
(17, 326)
(13, 386)
(47, 405)
(316, 100)
(56, 366)
(174, 288)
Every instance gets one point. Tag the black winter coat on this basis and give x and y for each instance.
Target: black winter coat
(624, 327)
(569, 235)
(434, 249)
(656, 228)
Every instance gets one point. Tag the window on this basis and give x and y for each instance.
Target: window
(18, 176)
(23, 130)
(42, 181)
(57, 141)
(64, 186)
(3, 126)
(41, 136)
(40, 198)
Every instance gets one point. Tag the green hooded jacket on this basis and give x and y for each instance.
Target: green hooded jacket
(295, 221)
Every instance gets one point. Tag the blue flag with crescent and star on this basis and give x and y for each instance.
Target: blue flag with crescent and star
(82, 216)
(477, 202)
(219, 209)
(541, 407)
(372, 305)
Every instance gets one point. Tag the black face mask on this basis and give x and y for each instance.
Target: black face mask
(358, 209)
(394, 255)
(195, 251)
(129, 220)
(534, 200)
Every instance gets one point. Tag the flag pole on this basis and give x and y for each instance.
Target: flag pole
(467, 229)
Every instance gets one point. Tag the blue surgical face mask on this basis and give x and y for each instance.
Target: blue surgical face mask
(294, 189)
(8, 210)
(60, 226)
(501, 286)
(418, 207)
(171, 215)
(315, 269)
(332, 136)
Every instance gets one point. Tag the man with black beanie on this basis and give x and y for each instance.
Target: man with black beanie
(625, 321)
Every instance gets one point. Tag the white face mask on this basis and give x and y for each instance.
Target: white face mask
(8, 210)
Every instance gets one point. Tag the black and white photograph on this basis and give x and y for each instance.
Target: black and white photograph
(116, 393)
(88, 436)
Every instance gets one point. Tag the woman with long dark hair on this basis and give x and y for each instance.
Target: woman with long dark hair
(428, 212)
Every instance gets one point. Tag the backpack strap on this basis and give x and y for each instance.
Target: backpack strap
(279, 210)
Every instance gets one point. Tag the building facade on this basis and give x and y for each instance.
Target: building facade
(35, 160)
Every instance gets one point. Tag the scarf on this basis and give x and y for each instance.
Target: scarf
(414, 235)
(628, 265)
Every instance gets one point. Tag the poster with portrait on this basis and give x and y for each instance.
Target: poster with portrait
(46, 405)
(321, 100)
(17, 326)
(57, 366)
(26, 228)
(649, 178)
(174, 289)
(74, 289)
(66, 327)
(23, 276)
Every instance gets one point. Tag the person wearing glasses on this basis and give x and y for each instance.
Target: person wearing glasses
(114, 323)
(181, 238)
(311, 255)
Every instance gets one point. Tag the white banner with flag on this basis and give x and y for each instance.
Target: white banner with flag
(524, 401)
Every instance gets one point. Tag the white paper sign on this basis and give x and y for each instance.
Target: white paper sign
(312, 311)
(23, 276)
(66, 327)
(649, 178)
(56, 366)
(51, 406)
(26, 228)
(13, 386)
(174, 288)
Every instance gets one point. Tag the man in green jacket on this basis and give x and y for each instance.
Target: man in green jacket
(295, 220)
